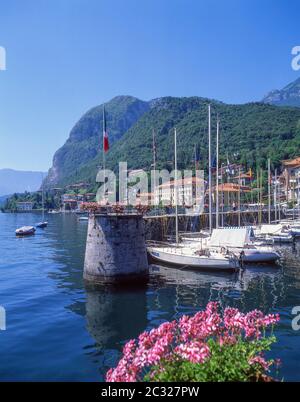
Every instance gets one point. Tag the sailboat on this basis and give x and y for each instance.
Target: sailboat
(184, 255)
(238, 241)
(43, 223)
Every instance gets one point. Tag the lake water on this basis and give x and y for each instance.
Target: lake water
(59, 329)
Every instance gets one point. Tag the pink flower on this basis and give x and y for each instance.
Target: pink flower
(187, 339)
(195, 352)
(260, 361)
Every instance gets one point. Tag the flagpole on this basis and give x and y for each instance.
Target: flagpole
(217, 176)
(209, 170)
(103, 151)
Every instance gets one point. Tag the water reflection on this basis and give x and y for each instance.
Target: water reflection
(49, 304)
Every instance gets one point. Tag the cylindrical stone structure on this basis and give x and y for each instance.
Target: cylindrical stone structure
(115, 248)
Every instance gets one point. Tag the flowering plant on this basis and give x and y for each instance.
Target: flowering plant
(207, 346)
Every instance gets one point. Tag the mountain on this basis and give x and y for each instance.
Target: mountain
(79, 156)
(3, 199)
(288, 96)
(18, 181)
(249, 134)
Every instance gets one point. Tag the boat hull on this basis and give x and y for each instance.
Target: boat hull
(258, 256)
(25, 232)
(42, 225)
(195, 262)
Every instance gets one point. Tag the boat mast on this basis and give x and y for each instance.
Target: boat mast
(154, 164)
(239, 199)
(275, 195)
(261, 195)
(269, 191)
(298, 196)
(43, 208)
(103, 152)
(217, 175)
(209, 171)
(222, 197)
(279, 198)
(176, 187)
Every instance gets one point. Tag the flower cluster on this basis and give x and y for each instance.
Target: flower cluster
(187, 340)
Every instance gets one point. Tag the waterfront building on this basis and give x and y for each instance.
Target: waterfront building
(186, 189)
(229, 193)
(24, 205)
(291, 178)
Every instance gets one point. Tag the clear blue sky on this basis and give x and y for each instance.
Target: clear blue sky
(65, 56)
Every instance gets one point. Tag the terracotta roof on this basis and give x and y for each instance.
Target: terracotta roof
(232, 188)
(292, 162)
(146, 194)
(182, 182)
(243, 176)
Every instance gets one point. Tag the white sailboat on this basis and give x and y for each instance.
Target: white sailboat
(43, 223)
(184, 255)
(278, 233)
(237, 241)
(187, 256)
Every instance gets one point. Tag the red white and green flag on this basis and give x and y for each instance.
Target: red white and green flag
(105, 134)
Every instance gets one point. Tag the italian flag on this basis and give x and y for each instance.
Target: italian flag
(105, 134)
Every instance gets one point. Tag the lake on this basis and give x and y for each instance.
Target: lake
(60, 329)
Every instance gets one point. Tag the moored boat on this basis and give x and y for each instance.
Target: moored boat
(238, 241)
(41, 225)
(25, 231)
(186, 256)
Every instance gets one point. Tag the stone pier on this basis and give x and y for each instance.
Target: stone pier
(115, 248)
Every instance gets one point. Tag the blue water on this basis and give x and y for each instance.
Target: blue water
(60, 329)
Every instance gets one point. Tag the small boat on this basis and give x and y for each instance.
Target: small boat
(279, 233)
(83, 218)
(41, 225)
(25, 231)
(194, 258)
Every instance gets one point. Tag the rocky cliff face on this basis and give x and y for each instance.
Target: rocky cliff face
(84, 144)
(250, 134)
(288, 96)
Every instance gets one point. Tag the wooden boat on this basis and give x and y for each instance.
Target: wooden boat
(25, 231)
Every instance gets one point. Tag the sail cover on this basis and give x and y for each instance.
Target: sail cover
(231, 237)
(270, 229)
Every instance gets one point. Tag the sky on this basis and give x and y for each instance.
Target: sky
(65, 56)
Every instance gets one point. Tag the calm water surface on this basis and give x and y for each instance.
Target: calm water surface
(59, 329)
